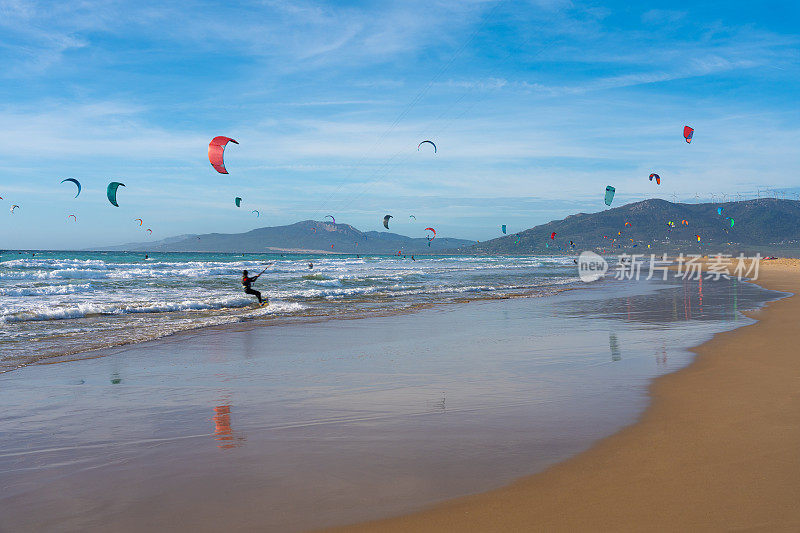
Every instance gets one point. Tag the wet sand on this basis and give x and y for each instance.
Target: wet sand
(718, 448)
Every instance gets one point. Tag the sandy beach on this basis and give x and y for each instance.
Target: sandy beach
(716, 450)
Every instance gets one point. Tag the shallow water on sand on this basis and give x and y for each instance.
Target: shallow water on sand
(296, 426)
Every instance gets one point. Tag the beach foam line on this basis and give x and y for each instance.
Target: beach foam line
(84, 310)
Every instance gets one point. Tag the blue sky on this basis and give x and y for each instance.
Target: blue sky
(535, 108)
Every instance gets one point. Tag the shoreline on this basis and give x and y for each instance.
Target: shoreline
(715, 448)
(300, 317)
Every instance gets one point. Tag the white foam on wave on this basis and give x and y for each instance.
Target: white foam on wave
(46, 290)
(325, 282)
(82, 310)
(275, 308)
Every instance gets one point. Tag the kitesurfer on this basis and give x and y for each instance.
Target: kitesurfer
(247, 281)
(310, 265)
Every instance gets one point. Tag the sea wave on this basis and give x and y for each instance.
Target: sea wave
(47, 290)
(85, 300)
(84, 310)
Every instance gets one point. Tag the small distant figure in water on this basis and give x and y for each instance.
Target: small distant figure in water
(358, 256)
(575, 261)
(246, 282)
(310, 265)
(146, 256)
(412, 258)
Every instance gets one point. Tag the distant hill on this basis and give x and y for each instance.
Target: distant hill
(305, 236)
(759, 225)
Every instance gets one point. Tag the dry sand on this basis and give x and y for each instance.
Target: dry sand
(718, 449)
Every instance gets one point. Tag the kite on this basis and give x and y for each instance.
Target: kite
(238, 201)
(111, 192)
(627, 223)
(149, 231)
(13, 207)
(719, 211)
(731, 222)
(76, 182)
(657, 177)
(73, 216)
(140, 221)
(216, 152)
(412, 216)
(503, 227)
(685, 222)
(698, 238)
(434, 234)
(258, 215)
(429, 142)
(687, 134)
(386, 221)
(334, 220)
(609, 194)
(553, 236)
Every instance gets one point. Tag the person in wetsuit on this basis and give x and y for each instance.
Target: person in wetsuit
(246, 282)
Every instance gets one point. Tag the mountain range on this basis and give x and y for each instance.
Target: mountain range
(766, 225)
(300, 237)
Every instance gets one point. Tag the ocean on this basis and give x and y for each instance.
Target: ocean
(62, 303)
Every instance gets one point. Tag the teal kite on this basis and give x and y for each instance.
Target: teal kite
(237, 201)
(609, 194)
(111, 192)
(503, 227)
(77, 184)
